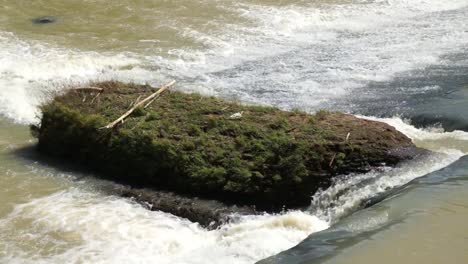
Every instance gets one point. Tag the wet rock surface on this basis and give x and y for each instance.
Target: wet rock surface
(208, 213)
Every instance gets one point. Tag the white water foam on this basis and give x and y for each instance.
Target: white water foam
(309, 55)
(30, 71)
(433, 138)
(350, 192)
(430, 133)
(73, 226)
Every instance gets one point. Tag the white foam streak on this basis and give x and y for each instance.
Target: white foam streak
(350, 192)
(430, 133)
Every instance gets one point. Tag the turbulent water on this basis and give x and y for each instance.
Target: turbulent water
(397, 61)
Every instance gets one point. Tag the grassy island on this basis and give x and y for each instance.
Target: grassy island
(213, 148)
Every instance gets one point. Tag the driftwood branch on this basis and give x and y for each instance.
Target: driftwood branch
(89, 89)
(142, 102)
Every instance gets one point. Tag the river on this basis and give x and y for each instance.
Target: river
(397, 61)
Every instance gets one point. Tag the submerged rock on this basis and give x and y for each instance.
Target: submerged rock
(190, 144)
(44, 20)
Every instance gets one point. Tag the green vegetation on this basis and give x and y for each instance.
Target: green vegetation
(189, 143)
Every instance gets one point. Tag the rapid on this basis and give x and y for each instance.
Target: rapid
(396, 61)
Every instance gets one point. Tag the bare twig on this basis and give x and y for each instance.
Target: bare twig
(95, 97)
(136, 101)
(142, 102)
(150, 102)
(331, 161)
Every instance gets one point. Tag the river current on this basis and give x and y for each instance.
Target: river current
(396, 61)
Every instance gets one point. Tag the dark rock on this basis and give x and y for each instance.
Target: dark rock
(44, 20)
(208, 213)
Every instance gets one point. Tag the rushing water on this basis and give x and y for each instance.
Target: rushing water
(403, 62)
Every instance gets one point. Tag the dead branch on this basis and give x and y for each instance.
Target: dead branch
(89, 89)
(150, 102)
(142, 102)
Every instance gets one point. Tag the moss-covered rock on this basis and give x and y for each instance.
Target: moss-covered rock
(195, 145)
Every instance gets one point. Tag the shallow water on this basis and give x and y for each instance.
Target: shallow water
(400, 62)
(427, 232)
